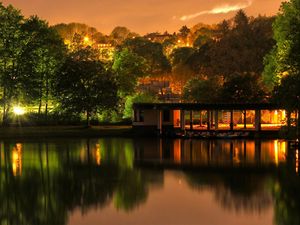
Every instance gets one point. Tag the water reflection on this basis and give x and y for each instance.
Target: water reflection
(213, 152)
(47, 182)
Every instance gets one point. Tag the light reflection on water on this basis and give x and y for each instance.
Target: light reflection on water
(148, 181)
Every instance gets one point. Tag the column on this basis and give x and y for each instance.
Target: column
(288, 118)
(208, 120)
(216, 119)
(191, 120)
(257, 120)
(182, 120)
(211, 118)
(231, 120)
(159, 122)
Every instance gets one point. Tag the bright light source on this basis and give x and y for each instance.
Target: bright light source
(18, 110)
(86, 39)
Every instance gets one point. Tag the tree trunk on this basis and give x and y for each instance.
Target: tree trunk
(88, 119)
(46, 97)
(5, 108)
(40, 100)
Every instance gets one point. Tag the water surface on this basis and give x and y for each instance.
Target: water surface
(148, 181)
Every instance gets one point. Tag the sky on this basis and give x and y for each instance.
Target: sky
(142, 16)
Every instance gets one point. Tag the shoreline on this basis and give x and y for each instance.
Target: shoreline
(65, 132)
(121, 131)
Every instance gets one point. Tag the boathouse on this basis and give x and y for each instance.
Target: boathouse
(165, 117)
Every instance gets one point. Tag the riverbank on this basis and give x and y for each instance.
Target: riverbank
(66, 131)
(121, 131)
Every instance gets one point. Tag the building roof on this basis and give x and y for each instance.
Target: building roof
(200, 106)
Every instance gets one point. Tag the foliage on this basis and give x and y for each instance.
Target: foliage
(243, 47)
(287, 94)
(152, 52)
(243, 88)
(284, 59)
(181, 55)
(67, 31)
(202, 91)
(128, 67)
(84, 86)
(44, 53)
(12, 42)
(137, 98)
(120, 34)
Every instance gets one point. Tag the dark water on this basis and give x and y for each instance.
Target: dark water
(149, 181)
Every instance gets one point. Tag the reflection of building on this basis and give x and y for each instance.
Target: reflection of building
(212, 153)
(163, 117)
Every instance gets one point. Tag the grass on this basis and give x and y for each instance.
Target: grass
(65, 131)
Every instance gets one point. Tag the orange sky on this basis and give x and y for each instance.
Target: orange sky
(141, 16)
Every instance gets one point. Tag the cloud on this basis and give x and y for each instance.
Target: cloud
(225, 8)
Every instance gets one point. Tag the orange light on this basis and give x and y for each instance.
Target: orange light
(17, 159)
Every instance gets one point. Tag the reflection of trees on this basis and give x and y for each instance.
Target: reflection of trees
(131, 190)
(47, 191)
(287, 195)
(245, 192)
(86, 186)
(235, 191)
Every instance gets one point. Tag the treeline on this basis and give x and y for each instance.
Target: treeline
(67, 71)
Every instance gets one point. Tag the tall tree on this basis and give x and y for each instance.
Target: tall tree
(183, 33)
(11, 43)
(85, 86)
(181, 55)
(44, 53)
(243, 46)
(202, 90)
(284, 59)
(128, 67)
(151, 52)
(120, 34)
(243, 88)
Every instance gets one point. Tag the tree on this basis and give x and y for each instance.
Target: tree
(181, 55)
(11, 44)
(43, 54)
(128, 67)
(120, 34)
(202, 91)
(67, 31)
(152, 52)
(287, 94)
(85, 86)
(137, 98)
(243, 47)
(284, 59)
(243, 88)
(183, 33)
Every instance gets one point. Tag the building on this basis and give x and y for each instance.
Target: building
(167, 117)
